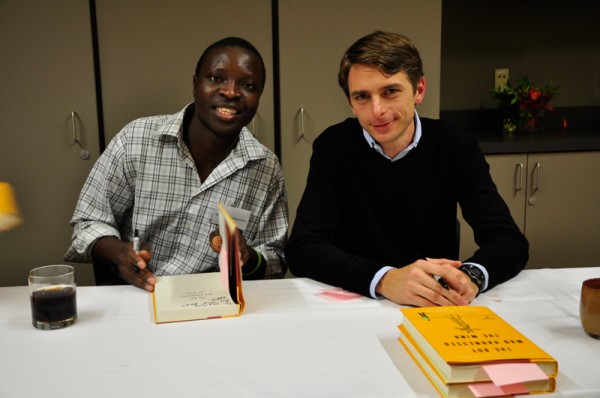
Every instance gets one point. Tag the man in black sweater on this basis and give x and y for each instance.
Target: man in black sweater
(378, 215)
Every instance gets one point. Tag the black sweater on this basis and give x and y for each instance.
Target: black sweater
(360, 212)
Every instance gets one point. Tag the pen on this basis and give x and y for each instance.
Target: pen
(136, 248)
(444, 284)
(136, 242)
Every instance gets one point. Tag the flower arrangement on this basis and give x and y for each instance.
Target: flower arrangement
(524, 105)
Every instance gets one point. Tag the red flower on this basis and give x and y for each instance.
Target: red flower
(534, 94)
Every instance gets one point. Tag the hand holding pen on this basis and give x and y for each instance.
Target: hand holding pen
(129, 259)
(142, 277)
(416, 284)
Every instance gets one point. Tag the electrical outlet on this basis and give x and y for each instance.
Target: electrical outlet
(501, 78)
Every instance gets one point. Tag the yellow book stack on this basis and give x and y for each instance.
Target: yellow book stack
(452, 345)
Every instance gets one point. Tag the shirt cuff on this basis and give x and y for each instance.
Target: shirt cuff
(86, 234)
(486, 276)
(376, 280)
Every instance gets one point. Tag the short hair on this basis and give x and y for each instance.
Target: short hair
(233, 41)
(389, 52)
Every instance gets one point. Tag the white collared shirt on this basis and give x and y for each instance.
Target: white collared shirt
(416, 138)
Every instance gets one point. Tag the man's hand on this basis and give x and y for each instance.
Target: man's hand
(216, 241)
(416, 285)
(138, 273)
(132, 267)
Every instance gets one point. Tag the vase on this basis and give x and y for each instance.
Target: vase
(510, 119)
(516, 120)
(531, 122)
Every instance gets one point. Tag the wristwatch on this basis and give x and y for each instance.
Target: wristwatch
(475, 274)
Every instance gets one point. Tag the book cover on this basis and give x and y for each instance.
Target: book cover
(458, 340)
(461, 389)
(207, 295)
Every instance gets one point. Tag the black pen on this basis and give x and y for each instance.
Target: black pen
(444, 284)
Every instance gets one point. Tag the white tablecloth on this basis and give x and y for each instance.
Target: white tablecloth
(289, 342)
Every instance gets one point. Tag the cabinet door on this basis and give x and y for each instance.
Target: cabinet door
(562, 222)
(554, 203)
(47, 73)
(149, 51)
(509, 173)
(313, 37)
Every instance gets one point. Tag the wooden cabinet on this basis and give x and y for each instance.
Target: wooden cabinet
(313, 36)
(554, 198)
(48, 103)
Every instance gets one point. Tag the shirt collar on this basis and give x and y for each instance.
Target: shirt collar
(248, 147)
(416, 138)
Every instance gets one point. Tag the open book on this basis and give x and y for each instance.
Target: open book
(207, 295)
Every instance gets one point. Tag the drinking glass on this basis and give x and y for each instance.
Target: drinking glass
(52, 291)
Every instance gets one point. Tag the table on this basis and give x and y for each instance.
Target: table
(289, 342)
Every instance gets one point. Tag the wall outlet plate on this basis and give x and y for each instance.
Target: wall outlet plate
(501, 78)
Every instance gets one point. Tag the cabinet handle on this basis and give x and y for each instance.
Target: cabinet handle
(74, 128)
(519, 176)
(83, 154)
(301, 132)
(535, 184)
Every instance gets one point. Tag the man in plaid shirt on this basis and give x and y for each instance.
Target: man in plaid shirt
(163, 177)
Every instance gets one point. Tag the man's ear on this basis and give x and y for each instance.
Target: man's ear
(420, 90)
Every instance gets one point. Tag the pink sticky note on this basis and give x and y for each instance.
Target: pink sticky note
(492, 390)
(224, 267)
(503, 374)
(339, 294)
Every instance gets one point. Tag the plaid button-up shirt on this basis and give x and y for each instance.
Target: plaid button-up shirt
(146, 180)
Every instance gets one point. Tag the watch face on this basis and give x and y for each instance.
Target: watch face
(474, 273)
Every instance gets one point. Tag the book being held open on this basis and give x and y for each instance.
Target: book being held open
(457, 346)
(207, 295)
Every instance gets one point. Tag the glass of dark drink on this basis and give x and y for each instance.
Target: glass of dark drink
(52, 291)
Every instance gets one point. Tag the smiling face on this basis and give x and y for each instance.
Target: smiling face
(227, 90)
(385, 105)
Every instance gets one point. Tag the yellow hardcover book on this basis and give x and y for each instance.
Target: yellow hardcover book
(459, 340)
(459, 390)
(207, 295)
